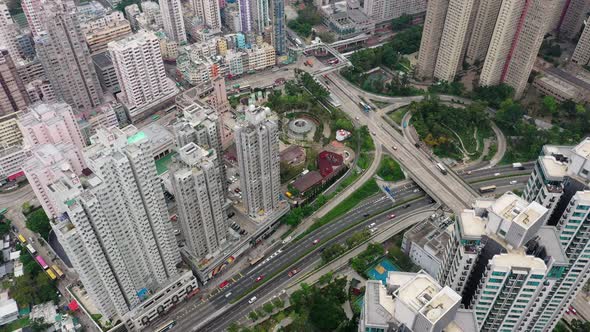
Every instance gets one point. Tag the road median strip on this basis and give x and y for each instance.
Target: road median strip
(286, 266)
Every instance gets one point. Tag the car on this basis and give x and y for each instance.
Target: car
(242, 232)
(469, 172)
(316, 241)
(371, 225)
(223, 284)
(407, 206)
(513, 182)
(227, 295)
(373, 133)
(357, 118)
(416, 190)
(293, 272)
(252, 300)
(176, 231)
(366, 215)
(373, 230)
(260, 277)
(395, 148)
(391, 216)
(496, 174)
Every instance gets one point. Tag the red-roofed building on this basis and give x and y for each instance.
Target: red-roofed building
(329, 162)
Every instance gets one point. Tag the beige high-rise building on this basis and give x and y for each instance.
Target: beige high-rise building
(13, 95)
(582, 53)
(572, 18)
(454, 36)
(436, 13)
(516, 40)
(483, 28)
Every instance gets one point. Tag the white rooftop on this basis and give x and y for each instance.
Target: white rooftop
(552, 168)
(583, 148)
(514, 208)
(518, 260)
(472, 224)
(378, 306)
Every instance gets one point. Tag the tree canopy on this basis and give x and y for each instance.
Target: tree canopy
(38, 222)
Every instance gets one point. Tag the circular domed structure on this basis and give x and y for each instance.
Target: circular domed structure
(300, 128)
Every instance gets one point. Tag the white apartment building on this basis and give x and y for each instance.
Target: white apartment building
(568, 278)
(560, 172)
(516, 40)
(386, 10)
(483, 28)
(46, 164)
(115, 228)
(454, 36)
(62, 50)
(412, 301)
(257, 144)
(50, 123)
(140, 71)
(173, 21)
(200, 200)
(581, 54)
(153, 14)
(506, 291)
(434, 22)
(235, 62)
(208, 12)
(12, 159)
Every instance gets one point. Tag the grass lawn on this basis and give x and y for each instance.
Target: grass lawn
(398, 115)
(390, 170)
(369, 188)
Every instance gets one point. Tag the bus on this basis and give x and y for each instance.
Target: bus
(487, 189)
(41, 262)
(245, 88)
(31, 249)
(51, 274)
(58, 271)
(365, 107)
(256, 260)
(441, 168)
(22, 239)
(166, 327)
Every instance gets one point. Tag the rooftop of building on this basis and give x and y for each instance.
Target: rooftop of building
(102, 60)
(553, 168)
(549, 239)
(583, 148)
(431, 234)
(379, 306)
(423, 294)
(513, 208)
(464, 321)
(471, 225)
(308, 180)
(134, 40)
(518, 259)
(328, 162)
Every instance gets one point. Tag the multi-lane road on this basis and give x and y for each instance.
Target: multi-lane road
(448, 189)
(218, 311)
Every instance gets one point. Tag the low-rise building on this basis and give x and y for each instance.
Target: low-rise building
(10, 134)
(346, 19)
(8, 309)
(260, 57)
(11, 160)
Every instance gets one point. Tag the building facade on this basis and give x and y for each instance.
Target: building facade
(13, 95)
(581, 54)
(257, 145)
(173, 21)
(198, 190)
(434, 22)
(65, 57)
(115, 228)
(279, 27)
(385, 10)
(140, 71)
(516, 40)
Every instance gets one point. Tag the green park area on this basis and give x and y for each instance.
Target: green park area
(390, 170)
(457, 133)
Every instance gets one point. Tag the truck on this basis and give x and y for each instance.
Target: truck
(308, 62)
(293, 272)
(518, 166)
(441, 168)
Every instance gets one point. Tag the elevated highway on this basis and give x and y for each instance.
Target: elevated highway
(448, 189)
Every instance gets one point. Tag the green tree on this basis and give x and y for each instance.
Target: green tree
(494, 95)
(38, 222)
(268, 307)
(326, 278)
(326, 37)
(4, 227)
(39, 325)
(578, 325)
(401, 22)
(279, 303)
(233, 327)
(550, 104)
(509, 115)
(253, 315)
(23, 291)
(26, 207)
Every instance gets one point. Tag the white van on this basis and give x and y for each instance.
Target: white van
(252, 300)
(227, 295)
